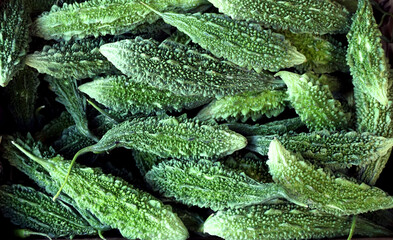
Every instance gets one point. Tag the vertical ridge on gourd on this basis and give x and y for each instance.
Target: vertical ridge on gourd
(72, 59)
(115, 202)
(342, 148)
(282, 221)
(29, 208)
(204, 183)
(310, 16)
(243, 106)
(102, 17)
(305, 91)
(14, 38)
(182, 69)
(365, 55)
(308, 186)
(244, 43)
(122, 93)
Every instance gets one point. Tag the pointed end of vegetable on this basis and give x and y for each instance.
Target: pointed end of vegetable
(297, 58)
(40, 161)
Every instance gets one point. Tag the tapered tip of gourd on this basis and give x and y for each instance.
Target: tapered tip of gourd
(296, 57)
(88, 88)
(288, 77)
(30, 155)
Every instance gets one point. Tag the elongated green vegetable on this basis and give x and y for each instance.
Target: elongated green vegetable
(145, 161)
(121, 93)
(342, 148)
(72, 59)
(14, 38)
(102, 17)
(208, 184)
(314, 102)
(182, 69)
(283, 221)
(135, 213)
(246, 44)
(254, 105)
(315, 188)
(307, 16)
(32, 209)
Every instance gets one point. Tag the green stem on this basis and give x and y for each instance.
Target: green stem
(100, 234)
(152, 9)
(30, 155)
(102, 111)
(353, 226)
(24, 233)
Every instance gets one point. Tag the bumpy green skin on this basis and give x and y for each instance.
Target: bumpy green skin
(176, 137)
(71, 141)
(181, 69)
(14, 38)
(77, 59)
(342, 148)
(324, 54)
(32, 209)
(113, 201)
(249, 164)
(75, 103)
(145, 161)
(283, 221)
(306, 16)
(22, 95)
(254, 105)
(246, 44)
(314, 102)
(366, 57)
(311, 187)
(278, 127)
(208, 184)
(121, 93)
(102, 17)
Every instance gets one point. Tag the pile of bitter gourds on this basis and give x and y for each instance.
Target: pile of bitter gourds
(243, 119)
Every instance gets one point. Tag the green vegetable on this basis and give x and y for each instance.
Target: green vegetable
(181, 69)
(243, 106)
(305, 91)
(113, 201)
(283, 221)
(121, 93)
(342, 148)
(71, 141)
(145, 161)
(32, 209)
(244, 43)
(307, 16)
(311, 187)
(54, 128)
(14, 38)
(72, 59)
(208, 184)
(102, 17)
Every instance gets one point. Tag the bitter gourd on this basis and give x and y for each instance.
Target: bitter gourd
(102, 17)
(306, 16)
(72, 59)
(121, 93)
(313, 187)
(113, 201)
(209, 184)
(244, 43)
(181, 69)
(314, 102)
(14, 38)
(145, 161)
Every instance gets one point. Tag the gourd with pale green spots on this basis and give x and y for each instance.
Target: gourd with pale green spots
(342, 148)
(208, 184)
(307, 16)
(284, 221)
(314, 102)
(313, 187)
(102, 17)
(121, 93)
(244, 43)
(113, 201)
(182, 69)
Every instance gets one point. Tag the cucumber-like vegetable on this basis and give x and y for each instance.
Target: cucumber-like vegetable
(113, 201)
(244, 43)
(102, 17)
(306, 16)
(316, 188)
(181, 69)
(14, 38)
(145, 161)
(121, 93)
(209, 184)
